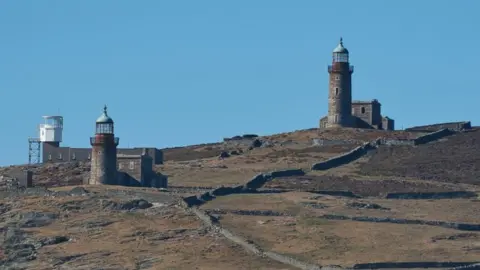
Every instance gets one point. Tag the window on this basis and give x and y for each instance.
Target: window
(89, 157)
(74, 157)
(131, 166)
(363, 109)
(337, 78)
(49, 156)
(60, 156)
(120, 165)
(336, 91)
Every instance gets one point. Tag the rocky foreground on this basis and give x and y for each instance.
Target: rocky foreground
(110, 228)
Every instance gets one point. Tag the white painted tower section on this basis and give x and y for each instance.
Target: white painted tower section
(52, 128)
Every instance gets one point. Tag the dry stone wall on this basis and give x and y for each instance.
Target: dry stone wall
(348, 157)
(251, 186)
(457, 126)
(396, 142)
(406, 265)
(213, 223)
(449, 225)
(430, 137)
(431, 195)
(467, 267)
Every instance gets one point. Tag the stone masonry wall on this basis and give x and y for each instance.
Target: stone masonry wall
(433, 136)
(104, 165)
(457, 126)
(344, 158)
(249, 246)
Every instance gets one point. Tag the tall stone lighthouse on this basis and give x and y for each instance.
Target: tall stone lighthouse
(340, 89)
(104, 152)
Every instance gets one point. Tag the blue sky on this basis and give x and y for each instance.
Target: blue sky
(184, 72)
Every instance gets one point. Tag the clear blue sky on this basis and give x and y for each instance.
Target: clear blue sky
(185, 72)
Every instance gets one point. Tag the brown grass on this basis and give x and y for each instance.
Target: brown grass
(347, 242)
(453, 160)
(132, 239)
(170, 239)
(308, 237)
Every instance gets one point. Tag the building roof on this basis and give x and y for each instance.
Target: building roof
(104, 118)
(365, 101)
(340, 48)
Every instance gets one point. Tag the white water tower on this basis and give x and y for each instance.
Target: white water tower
(51, 130)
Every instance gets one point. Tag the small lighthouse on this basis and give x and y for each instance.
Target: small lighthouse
(340, 89)
(104, 152)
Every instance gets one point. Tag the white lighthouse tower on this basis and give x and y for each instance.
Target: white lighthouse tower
(49, 136)
(51, 130)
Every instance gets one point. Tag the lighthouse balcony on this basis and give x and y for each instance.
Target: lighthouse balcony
(338, 68)
(104, 140)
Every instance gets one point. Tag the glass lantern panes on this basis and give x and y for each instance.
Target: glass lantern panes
(340, 57)
(104, 128)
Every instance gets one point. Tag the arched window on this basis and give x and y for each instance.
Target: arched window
(336, 91)
(363, 109)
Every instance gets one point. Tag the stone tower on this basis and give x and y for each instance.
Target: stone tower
(104, 152)
(340, 89)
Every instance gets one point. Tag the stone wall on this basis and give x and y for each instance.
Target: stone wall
(467, 267)
(321, 142)
(396, 142)
(444, 224)
(457, 126)
(433, 136)
(251, 186)
(431, 195)
(250, 247)
(344, 158)
(406, 265)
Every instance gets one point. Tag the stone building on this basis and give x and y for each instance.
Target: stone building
(53, 152)
(51, 136)
(342, 111)
(137, 170)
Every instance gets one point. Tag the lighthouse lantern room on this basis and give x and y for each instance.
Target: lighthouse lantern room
(51, 130)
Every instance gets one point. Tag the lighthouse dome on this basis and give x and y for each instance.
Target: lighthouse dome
(104, 118)
(340, 48)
